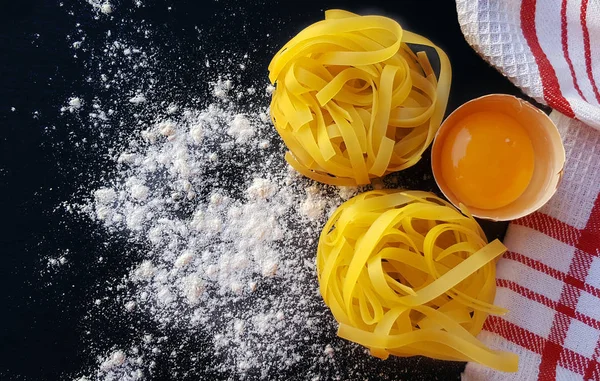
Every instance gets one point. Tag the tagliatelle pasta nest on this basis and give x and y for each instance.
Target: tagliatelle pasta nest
(353, 101)
(405, 273)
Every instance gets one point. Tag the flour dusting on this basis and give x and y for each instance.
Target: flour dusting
(222, 233)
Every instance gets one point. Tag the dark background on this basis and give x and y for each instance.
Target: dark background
(46, 330)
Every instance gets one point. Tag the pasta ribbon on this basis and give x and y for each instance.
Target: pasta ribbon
(405, 273)
(353, 102)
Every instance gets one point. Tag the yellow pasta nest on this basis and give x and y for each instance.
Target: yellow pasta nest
(353, 102)
(405, 273)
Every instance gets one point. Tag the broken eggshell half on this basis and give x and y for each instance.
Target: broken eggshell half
(549, 154)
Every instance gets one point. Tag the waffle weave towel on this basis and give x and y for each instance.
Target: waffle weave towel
(550, 277)
(548, 48)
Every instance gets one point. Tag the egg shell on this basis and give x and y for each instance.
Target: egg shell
(547, 145)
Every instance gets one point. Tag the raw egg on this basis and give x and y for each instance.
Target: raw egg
(487, 160)
(499, 156)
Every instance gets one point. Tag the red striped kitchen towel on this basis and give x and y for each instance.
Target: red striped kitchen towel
(549, 48)
(550, 277)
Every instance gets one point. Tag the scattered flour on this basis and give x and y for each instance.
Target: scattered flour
(241, 129)
(314, 204)
(346, 193)
(228, 253)
(104, 7)
(73, 105)
(115, 359)
(139, 192)
(137, 99)
(261, 189)
(224, 230)
(104, 196)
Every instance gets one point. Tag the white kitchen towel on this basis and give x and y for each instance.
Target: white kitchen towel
(548, 48)
(550, 277)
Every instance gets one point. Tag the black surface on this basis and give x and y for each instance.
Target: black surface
(43, 319)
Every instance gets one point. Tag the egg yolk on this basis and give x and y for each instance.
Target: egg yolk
(487, 160)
